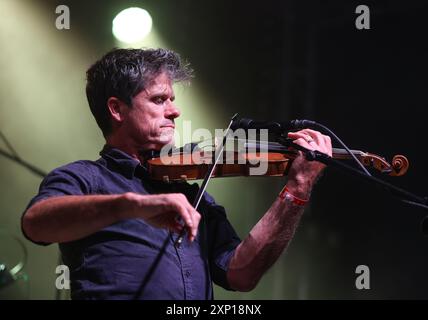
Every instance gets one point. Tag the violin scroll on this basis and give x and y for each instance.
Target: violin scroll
(400, 165)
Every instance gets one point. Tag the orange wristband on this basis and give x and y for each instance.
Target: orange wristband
(285, 194)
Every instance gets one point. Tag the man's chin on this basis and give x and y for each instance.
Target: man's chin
(166, 138)
(161, 142)
(162, 145)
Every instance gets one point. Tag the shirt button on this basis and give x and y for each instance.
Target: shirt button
(187, 273)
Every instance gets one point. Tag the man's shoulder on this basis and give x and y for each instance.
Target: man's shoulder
(77, 177)
(79, 166)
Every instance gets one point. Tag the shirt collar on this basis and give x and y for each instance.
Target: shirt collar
(123, 161)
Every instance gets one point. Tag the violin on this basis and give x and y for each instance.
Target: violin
(275, 157)
(194, 164)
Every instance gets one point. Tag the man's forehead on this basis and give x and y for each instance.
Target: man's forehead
(160, 84)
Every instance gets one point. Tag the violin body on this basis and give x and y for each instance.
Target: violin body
(195, 165)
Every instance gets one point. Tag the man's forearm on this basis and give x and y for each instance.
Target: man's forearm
(272, 234)
(68, 218)
(265, 243)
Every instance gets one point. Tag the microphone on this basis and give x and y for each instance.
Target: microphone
(278, 127)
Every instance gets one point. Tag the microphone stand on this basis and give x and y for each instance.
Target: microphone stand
(18, 160)
(38, 172)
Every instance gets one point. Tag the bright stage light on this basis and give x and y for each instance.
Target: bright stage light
(132, 25)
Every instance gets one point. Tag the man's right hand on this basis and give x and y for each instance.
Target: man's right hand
(165, 211)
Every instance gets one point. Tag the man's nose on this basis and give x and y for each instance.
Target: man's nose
(171, 111)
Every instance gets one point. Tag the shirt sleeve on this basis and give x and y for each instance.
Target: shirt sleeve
(72, 179)
(222, 241)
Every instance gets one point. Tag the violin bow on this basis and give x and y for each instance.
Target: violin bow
(216, 156)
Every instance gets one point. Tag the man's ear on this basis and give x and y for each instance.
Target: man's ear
(117, 109)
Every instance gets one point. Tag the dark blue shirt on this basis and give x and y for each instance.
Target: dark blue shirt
(132, 259)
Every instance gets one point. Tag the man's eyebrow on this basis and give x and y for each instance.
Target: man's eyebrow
(162, 95)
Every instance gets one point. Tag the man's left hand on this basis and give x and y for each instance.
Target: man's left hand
(303, 173)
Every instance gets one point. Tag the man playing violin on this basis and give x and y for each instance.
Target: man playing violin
(117, 228)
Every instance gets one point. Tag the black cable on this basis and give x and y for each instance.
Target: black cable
(317, 125)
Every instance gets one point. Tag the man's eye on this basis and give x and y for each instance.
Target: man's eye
(158, 100)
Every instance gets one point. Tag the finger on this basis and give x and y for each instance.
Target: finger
(302, 142)
(187, 213)
(297, 134)
(183, 213)
(314, 138)
(329, 148)
(193, 230)
(315, 135)
(196, 216)
(301, 134)
(324, 141)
